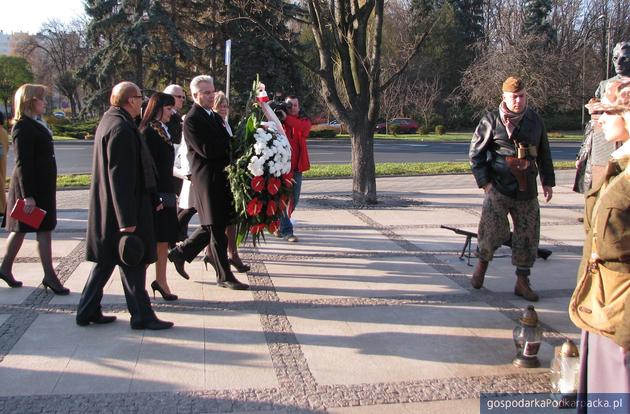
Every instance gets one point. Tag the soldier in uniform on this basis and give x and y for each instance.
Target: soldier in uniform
(508, 150)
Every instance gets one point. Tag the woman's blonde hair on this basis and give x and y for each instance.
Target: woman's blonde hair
(24, 99)
(219, 98)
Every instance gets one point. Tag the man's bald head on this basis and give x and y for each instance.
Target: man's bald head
(122, 92)
(128, 96)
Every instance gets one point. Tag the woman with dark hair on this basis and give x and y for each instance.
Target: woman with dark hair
(153, 129)
(34, 180)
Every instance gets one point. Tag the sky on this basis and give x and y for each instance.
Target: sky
(29, 15)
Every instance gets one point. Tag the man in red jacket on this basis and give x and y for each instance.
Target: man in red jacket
(297, 130)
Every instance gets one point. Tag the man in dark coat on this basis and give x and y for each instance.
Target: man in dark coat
(174, 125)
(209, 152)
(508, 150)
(123, 177)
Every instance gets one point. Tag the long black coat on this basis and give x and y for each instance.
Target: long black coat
(163, 155)
(35, 173)
(208, 150)
(118, 195)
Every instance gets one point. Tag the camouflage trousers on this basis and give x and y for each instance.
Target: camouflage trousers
(494, 227)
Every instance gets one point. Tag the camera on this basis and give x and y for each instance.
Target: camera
(280, 108)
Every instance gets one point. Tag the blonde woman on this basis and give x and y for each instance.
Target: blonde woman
(4, 149)
(605, 360)
(222, 107)
(35, 181)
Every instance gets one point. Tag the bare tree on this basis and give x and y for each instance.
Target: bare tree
(558, 74)
(59, 47)
(348, 40)
(423, 96)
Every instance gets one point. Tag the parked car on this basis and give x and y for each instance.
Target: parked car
(399, 125)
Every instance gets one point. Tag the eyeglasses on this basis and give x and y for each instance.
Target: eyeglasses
(180, 96)
(206, 92)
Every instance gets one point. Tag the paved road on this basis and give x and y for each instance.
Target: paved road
(76, 157)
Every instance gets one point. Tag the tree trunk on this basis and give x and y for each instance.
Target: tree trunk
(77, 99)
(73, 105)
(363, 170)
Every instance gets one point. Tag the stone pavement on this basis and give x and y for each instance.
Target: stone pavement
(370, 312)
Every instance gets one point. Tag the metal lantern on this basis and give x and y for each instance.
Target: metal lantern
(527, 337)
(565, 369)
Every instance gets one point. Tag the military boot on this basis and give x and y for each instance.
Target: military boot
(479, 274)
(522, 288)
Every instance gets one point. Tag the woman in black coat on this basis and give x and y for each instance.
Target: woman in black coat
(155, 133)
(35, 181)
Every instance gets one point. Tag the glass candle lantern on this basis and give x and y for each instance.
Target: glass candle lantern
(565, 369)
(527, 337)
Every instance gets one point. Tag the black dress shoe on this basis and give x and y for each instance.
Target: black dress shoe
(99, 319)
(233, 284)
(239, 266)
(178, 261)
(154, 325)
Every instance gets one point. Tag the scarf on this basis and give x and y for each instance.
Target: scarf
(510, 119)
(162, 131)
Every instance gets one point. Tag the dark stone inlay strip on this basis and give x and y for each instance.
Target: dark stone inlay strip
(185, 306)
(277, 399)
(289, 362)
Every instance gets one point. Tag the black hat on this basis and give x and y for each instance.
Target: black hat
(130, 249)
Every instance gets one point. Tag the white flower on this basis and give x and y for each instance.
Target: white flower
(259, 147)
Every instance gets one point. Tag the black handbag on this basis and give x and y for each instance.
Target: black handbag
(168, 199)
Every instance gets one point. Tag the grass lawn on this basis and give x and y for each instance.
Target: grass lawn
(342, 171)
(466, 136)
(60, 138)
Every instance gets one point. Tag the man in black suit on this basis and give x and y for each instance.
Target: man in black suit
(121, 209)
(209, 153)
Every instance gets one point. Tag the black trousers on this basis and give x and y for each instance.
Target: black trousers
(133, 279)
(183, 218)
(214, 236)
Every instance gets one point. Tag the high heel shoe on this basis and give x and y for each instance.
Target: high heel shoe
(55, 285)
(207, 260)
(240, 267)
(10, 280)
(166, 296)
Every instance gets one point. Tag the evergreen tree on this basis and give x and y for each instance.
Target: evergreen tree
(537, 21)
(133, 40)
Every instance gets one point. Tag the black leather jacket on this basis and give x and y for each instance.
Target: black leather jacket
(490, 145)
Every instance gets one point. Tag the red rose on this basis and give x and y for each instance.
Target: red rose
(258, 183)
(273, 185)
(257, 228)
(254, 207)
(273, 226)
(271, 208)
(287, 179)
